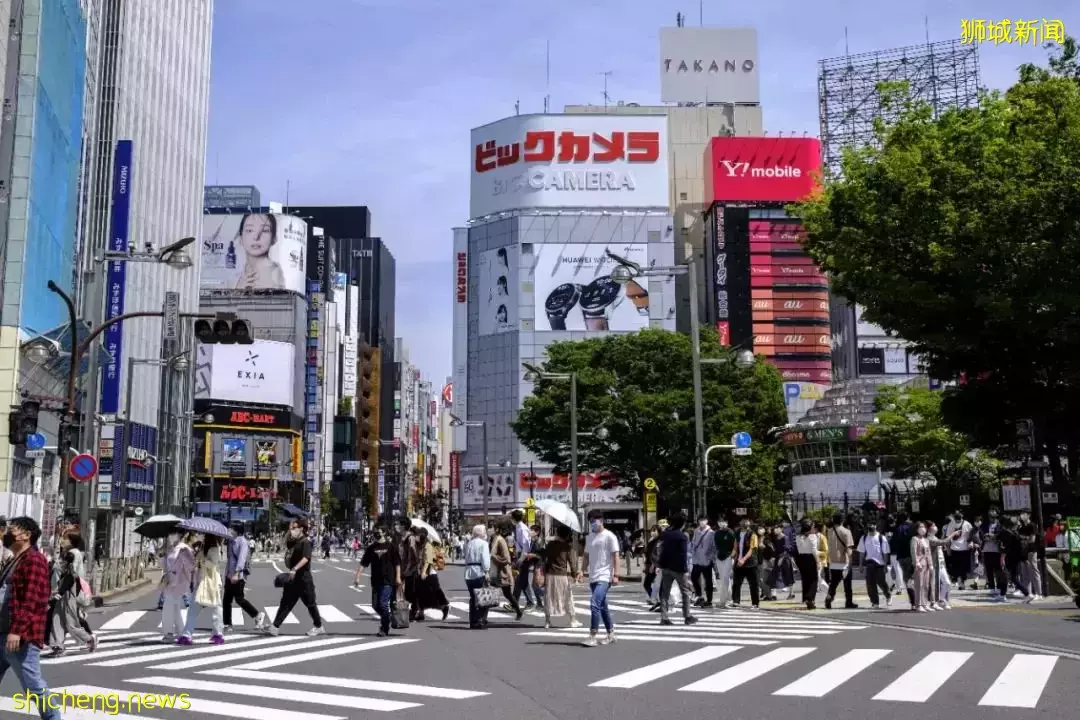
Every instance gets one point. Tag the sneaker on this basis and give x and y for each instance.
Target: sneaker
(591, 642)
(930, 608)
(706, 605)
(921, 608)
(184, 640)
(666, 621)
(92, 643)
(57, 651)
(888, 602)
(1029, 599)
(227, 629)
(576, 624)
(261, 621)
(609, 639)
(945, 606)
(1017, 594)
(316, 631)
(385, 634)
(547, 626)
(168, 638)
(875, 606)
(217, 640)
(271, 630)
(689, 620)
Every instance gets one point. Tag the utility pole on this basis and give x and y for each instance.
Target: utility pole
(607, 98)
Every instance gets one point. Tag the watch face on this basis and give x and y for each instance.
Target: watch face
(561, 299)
(599, 294)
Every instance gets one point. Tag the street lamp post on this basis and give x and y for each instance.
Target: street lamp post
(532, 374)
(455, 421)
(627, 270)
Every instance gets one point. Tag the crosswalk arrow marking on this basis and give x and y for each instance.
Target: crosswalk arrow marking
(655, 671)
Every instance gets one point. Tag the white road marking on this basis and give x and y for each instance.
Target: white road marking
(189, 651)
(304, 697)
(655, 671)
(271, 613)
(925, 678)
(123, 621)
(655, 638)
(332, 652)
(229, 657)
(1021, 683)
(690, 632)
(355, 684)
(744, 672)
(833, 674)
(8, 705)
(198, 706)
(329, 613)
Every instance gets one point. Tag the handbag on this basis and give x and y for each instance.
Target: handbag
(85, 597)
(487, 597)
(399, 617)
(282, 579)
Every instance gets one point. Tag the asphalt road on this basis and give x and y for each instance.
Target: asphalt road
(745, 664)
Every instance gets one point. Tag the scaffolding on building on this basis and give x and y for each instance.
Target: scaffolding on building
(942, 74)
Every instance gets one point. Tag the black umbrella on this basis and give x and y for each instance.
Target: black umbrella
(158, 526)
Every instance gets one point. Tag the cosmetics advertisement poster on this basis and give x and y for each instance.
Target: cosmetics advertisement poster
(575, 291)
(497, 290)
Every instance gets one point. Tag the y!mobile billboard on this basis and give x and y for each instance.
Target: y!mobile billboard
(576, 161)
(761, 169)
(254, 251)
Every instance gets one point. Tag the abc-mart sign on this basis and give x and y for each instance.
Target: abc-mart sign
(569, 161)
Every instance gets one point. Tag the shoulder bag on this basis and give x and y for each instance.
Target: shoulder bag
(487, 596)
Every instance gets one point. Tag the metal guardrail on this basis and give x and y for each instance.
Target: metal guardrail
(114, 573)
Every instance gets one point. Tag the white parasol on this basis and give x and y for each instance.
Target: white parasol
(560, 513)
(432, 533)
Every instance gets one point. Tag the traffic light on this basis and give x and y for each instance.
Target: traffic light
(367, 433)
(224, 329)
(23, 422)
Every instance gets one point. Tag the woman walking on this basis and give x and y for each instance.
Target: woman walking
(208, 592)
(72, 595)
(477, 558)
(502, 573)
(429, 593)
(177, 569)
(782, 575)
(301, 584)
(560, 565)
(808, 545)
(923, 562)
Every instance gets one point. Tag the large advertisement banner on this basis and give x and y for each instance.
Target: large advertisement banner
(761, 169)
(871, 361)
(896, 361)
(460, 347)
(709, 65)
(497, 288)
(117, 276)
(773, 236)
(258, 373)
(574, 289)
(811, 371)
(254, 251)
(579, 161)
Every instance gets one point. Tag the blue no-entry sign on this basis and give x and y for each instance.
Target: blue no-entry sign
(84, 466)
(741, 440)
(35, 441)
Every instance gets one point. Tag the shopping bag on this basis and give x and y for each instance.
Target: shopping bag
(85, 597)
(487, 597)
(399, 612)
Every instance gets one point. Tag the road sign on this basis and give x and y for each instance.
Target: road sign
(172, 315)
(138, 512)
(350, 465)
(650, 484)
(84, 467)
(741, 512)
(33, 454)
(965, 500)
(529, 502)
(35, 441)
(650, 502)
(1050, 498)
(742, 451)
(741, 440)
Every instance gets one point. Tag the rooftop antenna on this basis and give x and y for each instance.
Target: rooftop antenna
(286, 196)
(607, 98)
(701, 13)
(547, 78)
(517, 107)
(678, 19)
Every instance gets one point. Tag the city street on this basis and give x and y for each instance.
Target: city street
(747, 664)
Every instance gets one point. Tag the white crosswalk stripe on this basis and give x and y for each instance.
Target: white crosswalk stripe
(1019, 684)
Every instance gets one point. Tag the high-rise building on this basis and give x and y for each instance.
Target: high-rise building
(149, 67)
(43, 64)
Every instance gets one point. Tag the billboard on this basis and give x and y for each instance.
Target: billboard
(871, 361)
(769, 236)
(709, 65)
(117, 276)
(761, 169)
(258, 373)
(460, 346)
(577, 161)
(237, 197)
(254, 251)
(497, 290)
(805, 371)
(895, 361)
(574, 289)
(500, 491)
(234, 452)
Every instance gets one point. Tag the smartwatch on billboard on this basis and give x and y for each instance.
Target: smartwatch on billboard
(560, 302)
(596, 301)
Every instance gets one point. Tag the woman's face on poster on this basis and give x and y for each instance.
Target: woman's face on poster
(257, 235)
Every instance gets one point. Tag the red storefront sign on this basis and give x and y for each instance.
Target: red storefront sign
(416, 436)
(788, 235)
(791, 283)
(816, 371)
(761, 169)
(723, 329)
(455, 470)
(561, 481)
(566, 146)
(244, 493)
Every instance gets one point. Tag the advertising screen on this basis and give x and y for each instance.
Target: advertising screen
(258, 373)
(761, 169)
(895, 361)
(776, 235)
(497, 290)
(871, 361)
(709, 65)
(817, 343)
(788, 282)
(266, 453)
(574, 289)
(576, 161)
(810, 371)
(254, 252)
(234, 452)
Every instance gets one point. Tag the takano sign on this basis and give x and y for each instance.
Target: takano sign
(569, 161)
(761, 169)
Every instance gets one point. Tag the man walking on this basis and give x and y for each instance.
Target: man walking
(522, 549)
(841, 546)
(746, 562)
(874, 551)
(724, 541)
(383, 558)
(602, 559)
(704, 553)
(673, 569)
(236, 572)
(24, 602)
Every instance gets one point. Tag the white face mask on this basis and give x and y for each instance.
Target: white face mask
(703, 524)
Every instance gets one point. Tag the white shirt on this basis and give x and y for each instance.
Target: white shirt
(600, 547)
(807, 544)
(873, 548)
(962, 543)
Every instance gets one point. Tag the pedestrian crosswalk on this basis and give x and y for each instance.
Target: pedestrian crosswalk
(727, 627)
(151, 619)
(1018, 684)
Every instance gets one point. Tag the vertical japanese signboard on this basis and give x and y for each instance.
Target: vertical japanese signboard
(116, 276)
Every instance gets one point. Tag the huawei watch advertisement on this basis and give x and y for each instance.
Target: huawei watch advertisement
(498, 291)
(575, 291)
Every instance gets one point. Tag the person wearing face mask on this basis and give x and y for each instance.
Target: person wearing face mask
(922, 563)
(301, 584)
(238, 555)
(724, 541)
(959, 557)
(766, 562)
(177, 569)
(383, 558)
(5, 554)
(782, 576)
(703, 553)
(24, 601)
(939, 574)
(991, 556)
(502, 574)
(874, 551)
(746, 562)
(72, 595)
(602, 559)
(208, 592)
(841, 545)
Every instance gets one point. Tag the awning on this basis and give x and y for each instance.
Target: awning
(294, 511)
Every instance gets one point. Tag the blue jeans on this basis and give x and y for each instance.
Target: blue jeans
(380, 601)
(598, 608)
(27, 666)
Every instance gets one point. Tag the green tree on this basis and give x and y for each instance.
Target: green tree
(328, 504)
(639, 388)
(958, 232)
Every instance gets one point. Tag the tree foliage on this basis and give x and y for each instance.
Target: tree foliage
(639, 387)
(960, 232)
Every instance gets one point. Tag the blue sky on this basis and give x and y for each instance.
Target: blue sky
(370, 102)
